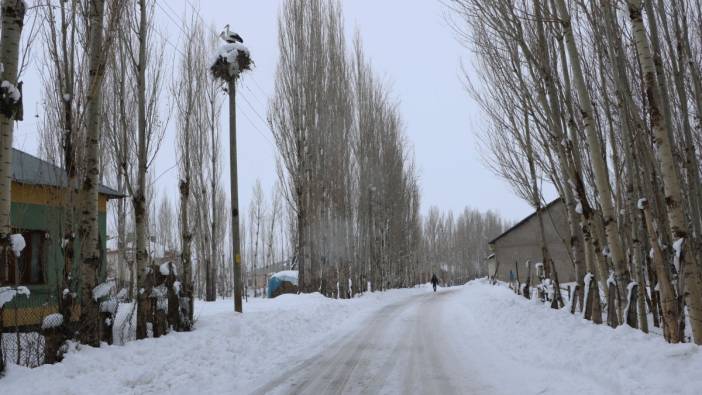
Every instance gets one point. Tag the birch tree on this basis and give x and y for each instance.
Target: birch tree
(13, 12)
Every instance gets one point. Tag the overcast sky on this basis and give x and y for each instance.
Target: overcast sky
(410, 47)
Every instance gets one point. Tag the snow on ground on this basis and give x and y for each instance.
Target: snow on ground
(227, 353)
(544, 351)
(502, 342)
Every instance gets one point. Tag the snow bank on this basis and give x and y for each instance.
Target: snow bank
(551, 351)
(227, 353)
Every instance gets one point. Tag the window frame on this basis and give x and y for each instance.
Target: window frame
(8, 275)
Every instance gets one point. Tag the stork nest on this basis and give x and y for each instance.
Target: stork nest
(223, 69)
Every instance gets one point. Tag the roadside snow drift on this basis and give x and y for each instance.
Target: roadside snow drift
(226, 353)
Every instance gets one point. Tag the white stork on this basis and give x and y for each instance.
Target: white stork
(230, 36)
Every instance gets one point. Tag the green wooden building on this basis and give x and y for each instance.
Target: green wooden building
(40, 214)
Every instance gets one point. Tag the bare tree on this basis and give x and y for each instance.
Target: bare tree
(188, 90)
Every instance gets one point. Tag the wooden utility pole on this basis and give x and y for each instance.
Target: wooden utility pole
(229, 68)
(236, 244)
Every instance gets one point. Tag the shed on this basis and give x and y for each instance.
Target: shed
(39, 212)
(522, 243)
(284, 282)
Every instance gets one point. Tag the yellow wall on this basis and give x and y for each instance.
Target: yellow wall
(47, 196)
(32, 316)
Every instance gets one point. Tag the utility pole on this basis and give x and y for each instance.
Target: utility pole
(234, 191)
(233, 58)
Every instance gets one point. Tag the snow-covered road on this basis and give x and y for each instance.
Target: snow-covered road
(473, 339)
(428, 344)
(406, 347)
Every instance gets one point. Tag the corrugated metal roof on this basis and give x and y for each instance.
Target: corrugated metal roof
(28, 169)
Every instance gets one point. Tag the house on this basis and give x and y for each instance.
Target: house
(522, 243)
(39, 212)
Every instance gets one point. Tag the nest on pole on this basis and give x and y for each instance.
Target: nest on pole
(231, 61)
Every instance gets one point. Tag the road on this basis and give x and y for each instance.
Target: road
(413, 347)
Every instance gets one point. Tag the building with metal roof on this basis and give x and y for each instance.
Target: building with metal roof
(522, 243)
(42, 212)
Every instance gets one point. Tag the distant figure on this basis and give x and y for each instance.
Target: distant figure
(434, 281)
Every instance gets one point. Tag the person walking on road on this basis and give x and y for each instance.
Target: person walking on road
(434, 281)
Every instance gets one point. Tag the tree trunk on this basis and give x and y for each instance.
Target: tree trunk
(185, 241)
(13, 12)
(671, 180)
(12, 22)
(139, 200)
(88, 229)
(599, 165)
(668, 299)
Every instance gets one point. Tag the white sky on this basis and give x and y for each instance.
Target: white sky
(409, 45)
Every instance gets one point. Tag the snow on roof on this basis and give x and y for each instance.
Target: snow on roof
(287, 275)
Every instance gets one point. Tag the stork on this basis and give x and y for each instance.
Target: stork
(230, 36)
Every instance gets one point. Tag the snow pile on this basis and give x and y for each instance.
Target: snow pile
(17, 244)
(52, 321)
(9, 293)
(290, 276)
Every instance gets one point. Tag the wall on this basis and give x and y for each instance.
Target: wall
(39, 208)
(523, 243)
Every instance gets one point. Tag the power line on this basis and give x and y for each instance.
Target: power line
(197, 14)
(256, 127)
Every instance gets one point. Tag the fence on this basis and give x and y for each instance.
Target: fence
(21, 341)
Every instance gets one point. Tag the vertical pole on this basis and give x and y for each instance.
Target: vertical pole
(236, 245)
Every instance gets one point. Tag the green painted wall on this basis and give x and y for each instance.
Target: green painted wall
(51, 220)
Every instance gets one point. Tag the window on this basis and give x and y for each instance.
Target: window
(29, 267)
